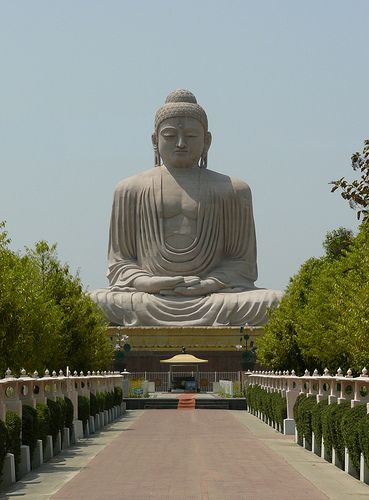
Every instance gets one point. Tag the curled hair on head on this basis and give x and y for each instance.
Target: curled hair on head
(181, 103)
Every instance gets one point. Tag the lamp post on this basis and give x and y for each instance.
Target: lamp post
(248, 356)
(121, 347)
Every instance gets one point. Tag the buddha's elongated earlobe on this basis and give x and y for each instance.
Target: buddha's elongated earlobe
(203, 160)
(157, 159)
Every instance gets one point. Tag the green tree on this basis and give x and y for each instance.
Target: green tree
(279, 348)
(337, 242)
(28, 317)
(357, 192)
(46, 319)
(82, 340)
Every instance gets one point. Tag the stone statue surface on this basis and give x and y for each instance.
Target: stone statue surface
(182, 246)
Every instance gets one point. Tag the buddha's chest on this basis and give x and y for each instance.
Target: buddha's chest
(180, 198)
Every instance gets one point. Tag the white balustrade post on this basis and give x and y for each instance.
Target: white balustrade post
(292, 392)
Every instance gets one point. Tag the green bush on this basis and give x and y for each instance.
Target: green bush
(327, 431)
(94, 407)
(56, 419)
(43, 417)
(69, 413)
(298, 417)
(304, 411)
(118, 396)
(350, 428)
(29, 428)
(364, 437)
(278, 407)
(63, 412)
(100, 396)
(83, 410)
(331, 425)
(3, 444)
(316, 420)
(109, 400)
(14, 425)
(272, 404)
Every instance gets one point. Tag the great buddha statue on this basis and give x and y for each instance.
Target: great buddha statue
(182, 246)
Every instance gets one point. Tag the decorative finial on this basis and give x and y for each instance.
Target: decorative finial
(47, 373)
(54, 373)
(8, 373)
(307, 373)
(61, 374)
(326, 372)
(23, 372)
(364, 372)
(293, 373)
(88, 373)
(315, 373)
(349, 373)
(339, 372)
(287, 372)
(75, 373)
(35, 374)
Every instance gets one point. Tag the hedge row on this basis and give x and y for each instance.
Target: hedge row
(340, 426)
(272, 404)
(49, 419)
(90, 406)
(36, 423)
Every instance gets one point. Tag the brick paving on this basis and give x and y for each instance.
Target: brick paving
(185, 455)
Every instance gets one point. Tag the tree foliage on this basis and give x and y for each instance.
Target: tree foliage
(323, 318)
(46, 319)
(357, 191)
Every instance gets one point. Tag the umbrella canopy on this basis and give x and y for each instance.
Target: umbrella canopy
(183, 359)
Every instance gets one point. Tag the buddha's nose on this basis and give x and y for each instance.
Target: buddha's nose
(181, 143)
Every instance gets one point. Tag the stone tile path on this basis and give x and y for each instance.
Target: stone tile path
(200, 454)
(185, 455)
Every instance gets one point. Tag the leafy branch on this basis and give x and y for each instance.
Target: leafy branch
(357, 192)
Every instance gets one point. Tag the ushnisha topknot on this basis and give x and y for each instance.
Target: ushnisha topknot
(181, 103)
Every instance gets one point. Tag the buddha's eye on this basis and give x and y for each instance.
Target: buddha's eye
(191, 135)
(168, 132)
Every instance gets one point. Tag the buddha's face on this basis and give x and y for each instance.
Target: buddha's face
(181, 142)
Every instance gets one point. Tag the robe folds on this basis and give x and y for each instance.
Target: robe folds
(223, 248)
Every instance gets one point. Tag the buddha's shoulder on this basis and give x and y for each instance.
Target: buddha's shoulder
(138, 181)
(228, 183)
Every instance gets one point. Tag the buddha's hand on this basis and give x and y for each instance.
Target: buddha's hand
(204, 287)
(188, 281)
(154, 284)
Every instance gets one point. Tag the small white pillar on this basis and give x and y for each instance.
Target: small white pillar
(38, 455)
(66, 438)
(58, 444)
(48, 448)
(289, 426)
(349, 468)
(336, 461)
(25, 462)
(91, 421)
(8, 473)
(364, 470)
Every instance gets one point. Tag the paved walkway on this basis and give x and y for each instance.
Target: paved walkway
(184, 455)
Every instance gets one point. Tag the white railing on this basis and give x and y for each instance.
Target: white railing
(205, 379)
(15, 392)
(335, 388)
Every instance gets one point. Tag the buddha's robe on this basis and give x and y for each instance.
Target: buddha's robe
(223, 248)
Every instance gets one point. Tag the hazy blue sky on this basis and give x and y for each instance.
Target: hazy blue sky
(285, 85)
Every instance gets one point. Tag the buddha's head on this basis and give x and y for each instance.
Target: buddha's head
(181, 137)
